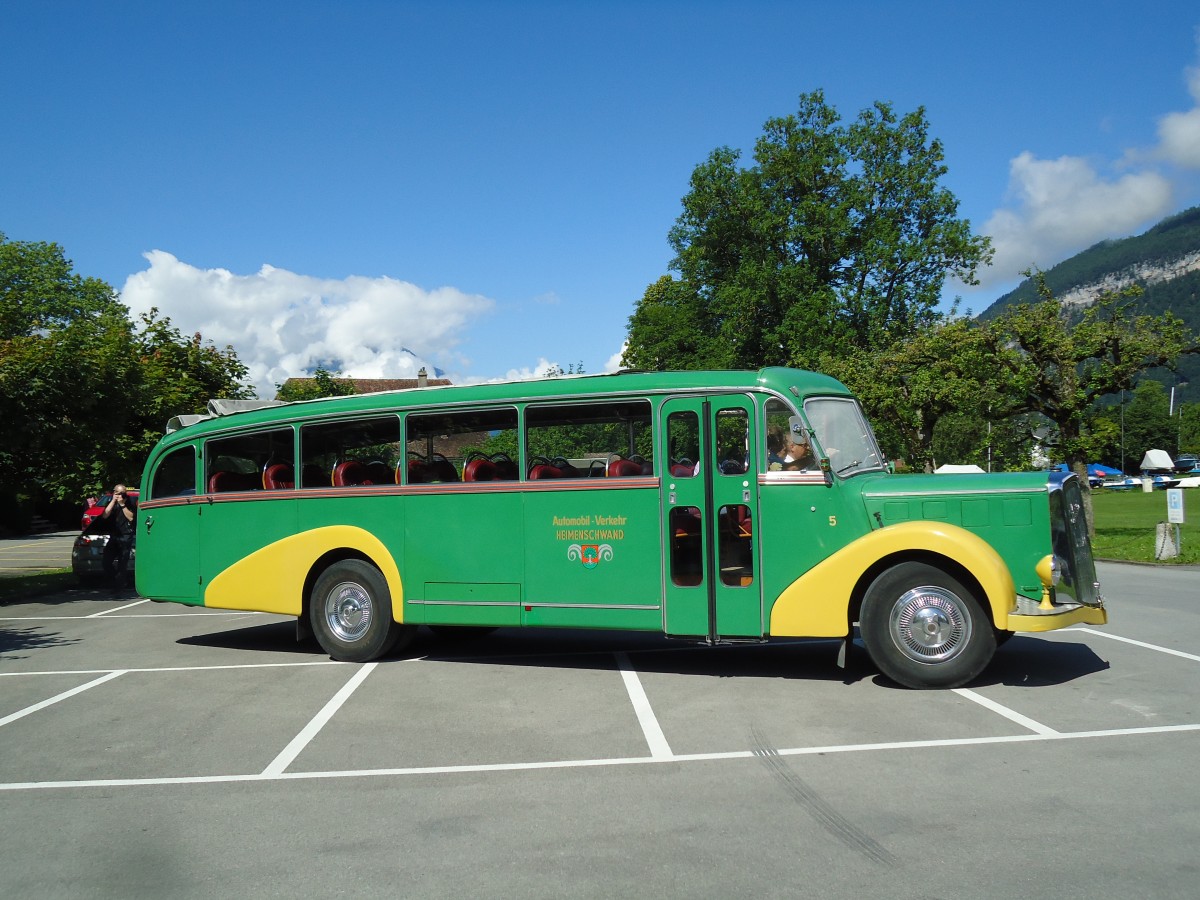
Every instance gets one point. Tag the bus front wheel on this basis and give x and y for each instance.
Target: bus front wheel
(351, 613)
(924, 629)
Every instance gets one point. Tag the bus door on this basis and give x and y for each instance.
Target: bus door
(169, 535)
(710, 514)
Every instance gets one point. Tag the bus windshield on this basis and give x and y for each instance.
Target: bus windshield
(844, 435)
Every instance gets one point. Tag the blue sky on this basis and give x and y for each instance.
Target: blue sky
(486, 188)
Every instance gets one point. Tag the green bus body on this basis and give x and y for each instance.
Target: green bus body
(678, 515)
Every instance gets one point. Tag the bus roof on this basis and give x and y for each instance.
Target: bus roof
(798, 382)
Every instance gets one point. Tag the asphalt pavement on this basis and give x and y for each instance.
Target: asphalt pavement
(33, 553)
(162, 751)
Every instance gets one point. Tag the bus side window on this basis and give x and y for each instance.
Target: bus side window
(612, 439)
(350, 452)
(732, 441)
(175, 475)
(240, 463)
(463, 445)
(683, 444)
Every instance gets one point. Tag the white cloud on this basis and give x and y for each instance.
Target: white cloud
(1179, 132)
(614, 362)
(283, 324)
(1062, 206)
(1058, 207)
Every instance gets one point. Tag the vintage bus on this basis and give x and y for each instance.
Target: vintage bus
(711, 506)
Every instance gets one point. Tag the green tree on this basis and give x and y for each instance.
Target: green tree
(1189, 428)
(909, 387)
(84, 394)
(324, 383)
(1148, 422)
(1056, 364)
(838, 237)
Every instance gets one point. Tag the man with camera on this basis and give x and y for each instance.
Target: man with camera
(121, 516)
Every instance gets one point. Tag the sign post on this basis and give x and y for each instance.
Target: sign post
(1175, 518)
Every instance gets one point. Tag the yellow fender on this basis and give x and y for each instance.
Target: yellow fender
(272, 579)
(817, 603)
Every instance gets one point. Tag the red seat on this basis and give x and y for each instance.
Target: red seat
(542, 471)
(279, 476)
(349, 473)
(480, 469)
(624, 468)
(224, 482)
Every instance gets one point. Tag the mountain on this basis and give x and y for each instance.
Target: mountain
(1165, 261)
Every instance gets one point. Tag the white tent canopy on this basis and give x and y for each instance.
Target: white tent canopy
(952, 469)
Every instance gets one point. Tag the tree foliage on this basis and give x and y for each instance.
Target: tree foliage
(838, 237)
(324, 383)
(84, 392)
(1053, 363)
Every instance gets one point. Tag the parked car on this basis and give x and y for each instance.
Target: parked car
(96, 510)
(87, 554)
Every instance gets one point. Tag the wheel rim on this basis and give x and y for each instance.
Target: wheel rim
(930, 624)
(349, 610)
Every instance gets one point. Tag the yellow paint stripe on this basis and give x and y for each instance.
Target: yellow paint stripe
(272, 579)
(817, 603)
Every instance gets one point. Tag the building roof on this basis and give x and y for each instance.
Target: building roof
(371, 385)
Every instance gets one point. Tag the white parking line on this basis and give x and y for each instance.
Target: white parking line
(1011, 715)
(313, 728)
(57, 697)
(1125, 640)
(593, 763)
(657, 741)
(116, 609)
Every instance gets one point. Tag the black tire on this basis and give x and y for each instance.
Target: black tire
(351, 613)
(924, 629)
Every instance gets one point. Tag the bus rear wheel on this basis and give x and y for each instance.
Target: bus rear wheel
(924, 629)
(351, 613)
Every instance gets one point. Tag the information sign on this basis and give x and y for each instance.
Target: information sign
(1175, 506)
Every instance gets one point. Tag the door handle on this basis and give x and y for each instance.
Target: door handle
(149, 523)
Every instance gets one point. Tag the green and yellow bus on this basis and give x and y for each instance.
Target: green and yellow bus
(713, 506)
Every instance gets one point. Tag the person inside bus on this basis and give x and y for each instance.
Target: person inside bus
(797, 454)
(121, 517)
(775, 448)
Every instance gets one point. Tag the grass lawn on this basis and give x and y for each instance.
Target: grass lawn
(1125, 523)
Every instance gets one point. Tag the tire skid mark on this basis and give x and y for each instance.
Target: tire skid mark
(819, 808)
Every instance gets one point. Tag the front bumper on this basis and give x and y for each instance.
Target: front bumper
(1031, 617)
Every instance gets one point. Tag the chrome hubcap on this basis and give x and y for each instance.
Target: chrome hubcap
(348, 611)
(929, 624)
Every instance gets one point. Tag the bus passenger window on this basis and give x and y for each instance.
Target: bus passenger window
(464, 445)
(604, 439)
(350, 453)
(732, 442)
(735, 546)
(687, 549)
(683, 443)
(242, 463)
(175, 475)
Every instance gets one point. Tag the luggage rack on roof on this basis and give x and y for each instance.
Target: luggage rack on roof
(220, 407)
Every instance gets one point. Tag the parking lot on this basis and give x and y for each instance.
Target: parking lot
(152, 749)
